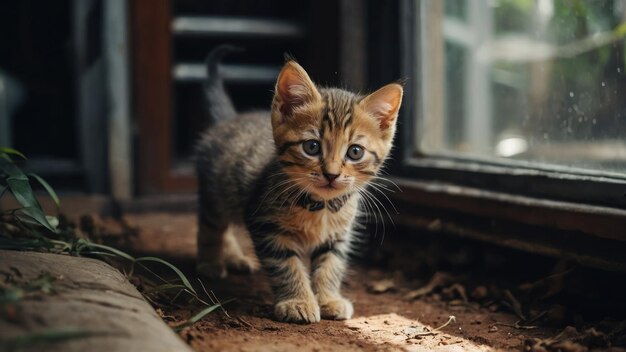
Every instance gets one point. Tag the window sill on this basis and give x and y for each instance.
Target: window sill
(593, 235)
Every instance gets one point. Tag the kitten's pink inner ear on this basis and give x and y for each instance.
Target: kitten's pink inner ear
(384, 104)
(294, 87)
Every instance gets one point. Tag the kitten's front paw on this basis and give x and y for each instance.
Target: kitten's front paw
(298, 311)
(336, 309)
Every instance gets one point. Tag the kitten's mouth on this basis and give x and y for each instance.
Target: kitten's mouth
(329, 190)
(330, 187)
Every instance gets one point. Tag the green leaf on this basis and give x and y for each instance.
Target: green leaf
(8, 168)
(6, 150)
(102, 254)
(35, 214)
(180, 274)
(48, 188)
(53, 220)
(23, 193)
(112, 250)
(203, 313)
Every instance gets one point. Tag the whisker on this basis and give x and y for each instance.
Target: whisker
(377, 202)
(388, 181)
(286, 185)
(371, 200)
(363, 200)
(374, 187)
(383, 186)
(384, 208)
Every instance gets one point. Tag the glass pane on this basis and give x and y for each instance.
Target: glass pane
(456, 9)
(533, 80)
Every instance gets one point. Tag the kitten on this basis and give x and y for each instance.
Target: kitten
(293, 177)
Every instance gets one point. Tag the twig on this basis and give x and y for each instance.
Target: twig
(206, 292)
(221, 305)
(524, 327)
(517, 325)
(517, 307)
(536, 317)
(439, 279)
(175, 297)
(241, 320)
(194, 295)
(434, 331)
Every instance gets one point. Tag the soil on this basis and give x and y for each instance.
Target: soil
(499, 300)
(382, 322)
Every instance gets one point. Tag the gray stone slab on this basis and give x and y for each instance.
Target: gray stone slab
(88, 296)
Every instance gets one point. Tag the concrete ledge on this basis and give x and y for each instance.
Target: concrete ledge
(87, 296)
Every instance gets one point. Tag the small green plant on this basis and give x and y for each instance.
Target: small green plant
(16, 182)
(28, 228)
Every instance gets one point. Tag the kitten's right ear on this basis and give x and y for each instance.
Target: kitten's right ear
(294, 88)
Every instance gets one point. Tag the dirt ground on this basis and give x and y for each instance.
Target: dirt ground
(486, 315)
(382, 322)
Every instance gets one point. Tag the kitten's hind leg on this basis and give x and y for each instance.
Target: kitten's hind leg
(210, 249)
(219, 251)
(236, 259)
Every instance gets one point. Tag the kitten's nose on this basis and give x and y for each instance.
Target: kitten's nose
(330, 177)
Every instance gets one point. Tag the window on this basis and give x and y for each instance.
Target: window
(531, 88)
(513, 128)
(534, 80)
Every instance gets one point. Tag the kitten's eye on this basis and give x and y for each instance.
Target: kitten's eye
(355, 152)
(312, 147)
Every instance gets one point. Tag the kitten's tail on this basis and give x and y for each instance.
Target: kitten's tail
(219, 106)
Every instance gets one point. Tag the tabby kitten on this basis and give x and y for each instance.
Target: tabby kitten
(293, 178)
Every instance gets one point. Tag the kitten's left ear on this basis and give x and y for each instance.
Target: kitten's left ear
(384, 105)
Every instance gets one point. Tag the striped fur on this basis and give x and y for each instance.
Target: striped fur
(301, 223)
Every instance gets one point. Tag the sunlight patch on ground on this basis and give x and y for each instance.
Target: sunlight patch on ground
(411, 335)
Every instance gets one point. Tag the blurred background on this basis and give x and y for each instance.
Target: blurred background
(104, 97)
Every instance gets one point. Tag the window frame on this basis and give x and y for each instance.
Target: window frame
(553, 198)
